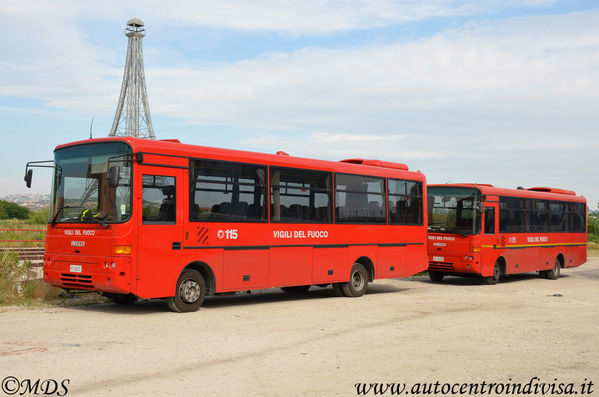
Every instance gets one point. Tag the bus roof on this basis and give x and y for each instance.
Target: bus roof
(547, 193)
(175, 148)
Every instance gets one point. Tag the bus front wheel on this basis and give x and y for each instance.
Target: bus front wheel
(553, 274)
(494, 279)
(358, 281)
(435, 276)
(189, 294)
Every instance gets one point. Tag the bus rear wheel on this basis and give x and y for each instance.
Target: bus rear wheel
(435, 276)
(120, 299)
(189, 294)
(494, 279)
(358, 281)
(299, 289)
(553, 274)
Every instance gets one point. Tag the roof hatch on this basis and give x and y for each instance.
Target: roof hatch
(552, 190)
(377, 163)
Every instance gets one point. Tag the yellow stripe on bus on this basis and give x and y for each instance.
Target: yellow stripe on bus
(533, 245)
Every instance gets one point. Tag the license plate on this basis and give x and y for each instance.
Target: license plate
(438, 258)
(75, 268)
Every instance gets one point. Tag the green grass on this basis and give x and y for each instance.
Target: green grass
(18, 235)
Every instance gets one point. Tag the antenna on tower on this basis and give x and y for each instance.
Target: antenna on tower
(132, 117)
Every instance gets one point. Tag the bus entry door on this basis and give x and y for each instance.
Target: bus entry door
(162, 203)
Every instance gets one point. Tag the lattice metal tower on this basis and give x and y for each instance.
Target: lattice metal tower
(132, 117)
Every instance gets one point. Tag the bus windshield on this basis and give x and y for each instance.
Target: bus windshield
(454, 210)
(92, 183)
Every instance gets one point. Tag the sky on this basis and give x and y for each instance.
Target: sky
(504, 92)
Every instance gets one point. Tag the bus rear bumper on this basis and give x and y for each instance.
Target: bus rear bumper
(106, 274)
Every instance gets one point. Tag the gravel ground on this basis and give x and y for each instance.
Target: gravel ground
(269, 343)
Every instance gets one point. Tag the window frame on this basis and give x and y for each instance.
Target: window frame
(192, 190)
(522, 210)
(330, 192)
(383, 193)
(150, 222)
(389, 194)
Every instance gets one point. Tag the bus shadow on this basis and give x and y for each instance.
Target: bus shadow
(474, 280)
(256, 297)
(273, 295)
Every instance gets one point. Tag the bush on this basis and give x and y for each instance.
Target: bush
(593, 228)
(10, 210)
(16, 287)
(39, 217)
(11, 271)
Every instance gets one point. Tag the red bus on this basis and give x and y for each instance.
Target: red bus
(161, 219)
(478, 229)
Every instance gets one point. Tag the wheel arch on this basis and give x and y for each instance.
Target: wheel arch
(502, 265)
(367, 263)
(561, 259)
(206, 271)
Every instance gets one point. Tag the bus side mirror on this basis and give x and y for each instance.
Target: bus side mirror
(113, 176)
(28, 177)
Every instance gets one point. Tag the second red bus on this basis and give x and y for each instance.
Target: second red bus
(482, 230)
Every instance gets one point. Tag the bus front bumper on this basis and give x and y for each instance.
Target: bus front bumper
(455, 264)
(94, 273)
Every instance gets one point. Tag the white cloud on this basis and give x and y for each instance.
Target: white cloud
(340, 146)
(482, 91)
(497, 71)
(289, 16)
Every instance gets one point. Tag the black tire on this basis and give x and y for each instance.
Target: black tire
(189, 294)
(494, 279)
(120, 299)
(437, 277)
(358, 281)
(553, 274)
(337, 289)
(298, 289)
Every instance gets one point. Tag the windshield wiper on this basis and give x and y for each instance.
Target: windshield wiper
(58, 211)
(86, 216)
(436, 228)
(97, 220)
(463, 231)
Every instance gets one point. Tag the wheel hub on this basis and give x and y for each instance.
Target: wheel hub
(189, 291)
(357, 281)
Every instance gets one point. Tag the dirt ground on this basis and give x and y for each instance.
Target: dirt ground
(270, 343)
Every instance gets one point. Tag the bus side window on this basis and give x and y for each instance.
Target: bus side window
(489, 220)
(159, 200)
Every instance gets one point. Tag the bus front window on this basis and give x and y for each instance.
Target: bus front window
(92, 182)
(454, 210)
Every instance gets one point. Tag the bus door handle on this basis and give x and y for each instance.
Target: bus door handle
(177, 245)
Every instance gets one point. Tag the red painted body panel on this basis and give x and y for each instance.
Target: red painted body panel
(262, 255)
(522, 252)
